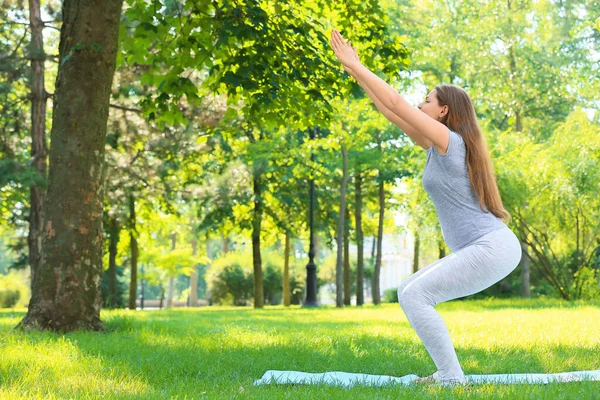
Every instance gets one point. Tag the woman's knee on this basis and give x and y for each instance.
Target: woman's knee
(412, 296)
(401, 291)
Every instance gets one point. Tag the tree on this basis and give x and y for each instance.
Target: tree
(339, 296)
(66, 288)
(38, 133)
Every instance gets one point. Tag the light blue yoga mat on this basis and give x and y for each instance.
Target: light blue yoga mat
(351, 379)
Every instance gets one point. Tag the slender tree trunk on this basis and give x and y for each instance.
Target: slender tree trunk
(38, 136)
(340, 233)
(194, 278)
(504, 284)
(162, 296)
(225, 244)
(171, 284)
(286, 272)
(416, 250)
(377, 270)
(360, 295)
(373, 248)
(208, 263)
(259, 294)
(113, 296)
(372, 264)
(525, 270)
(66, 291)
(347, 285)
(133, 244)
(441, 248)
(170, 289)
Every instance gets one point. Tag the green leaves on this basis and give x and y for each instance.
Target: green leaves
(278, 62)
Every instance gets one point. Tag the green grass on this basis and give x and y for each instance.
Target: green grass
(217, 352)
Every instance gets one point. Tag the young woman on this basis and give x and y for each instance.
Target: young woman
(459, 178)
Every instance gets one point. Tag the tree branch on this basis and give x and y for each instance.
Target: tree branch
(118, 107)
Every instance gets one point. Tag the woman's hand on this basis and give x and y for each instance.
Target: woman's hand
(344, 52)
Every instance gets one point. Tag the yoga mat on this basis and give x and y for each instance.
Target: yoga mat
(347, 379)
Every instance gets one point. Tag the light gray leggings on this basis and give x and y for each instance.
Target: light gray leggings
(468, 271)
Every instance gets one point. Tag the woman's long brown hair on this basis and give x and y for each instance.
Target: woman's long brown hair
(461, 118)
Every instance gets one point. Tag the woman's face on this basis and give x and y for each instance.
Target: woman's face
(431, 107)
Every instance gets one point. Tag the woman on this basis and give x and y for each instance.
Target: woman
(459, 178)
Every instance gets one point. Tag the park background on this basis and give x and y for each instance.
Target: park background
(207, 150)
(185, 172)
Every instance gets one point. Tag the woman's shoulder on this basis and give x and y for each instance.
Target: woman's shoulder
(455, 135)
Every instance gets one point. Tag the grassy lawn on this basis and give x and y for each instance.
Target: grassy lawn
(218, 352)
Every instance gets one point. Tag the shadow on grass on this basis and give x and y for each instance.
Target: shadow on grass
(220, 352)
(224, 362)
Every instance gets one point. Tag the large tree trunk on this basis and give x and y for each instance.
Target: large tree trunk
(171, 283)
(377, 270)
(114, 229)
(38, 136)
(340, 233)
(347, 288)
(259, 293)
(287, 300)
(66, 291)
(194, 278)
(360, 262)
(133, 245)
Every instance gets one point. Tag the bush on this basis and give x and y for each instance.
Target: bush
(272, 283)
(9, 297)
(390, 296)
(230, 279)
(587, 285)
(14, 290)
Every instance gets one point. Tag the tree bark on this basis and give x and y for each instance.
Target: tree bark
(259, 294)
(133, 244)
(347, 288)
(360, 262)
(525, 270)
(66, 290)
(38, 137)
(114, 230)
(340, 233)
(504, 284)
(441, 248)
(225, 244)
(416, 251)
(162, 296)
(194, 278)
(377, 269)
(286, 272)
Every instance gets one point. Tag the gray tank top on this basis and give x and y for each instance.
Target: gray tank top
(446, 180)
